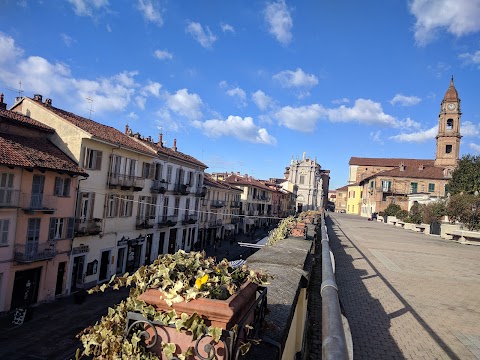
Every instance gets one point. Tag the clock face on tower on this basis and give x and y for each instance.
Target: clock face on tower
(451, 106)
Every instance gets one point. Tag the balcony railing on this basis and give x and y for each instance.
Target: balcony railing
(126, 181)
(217, 203)
(167, 221)
(234, 220)
(27, 253)
(87, 227)
(201, 191)
(181, 189)
(38, 202)
(189, 219)
(215, 222)
(9, 198)
(145, 222)
(159, 187)
(235, 204)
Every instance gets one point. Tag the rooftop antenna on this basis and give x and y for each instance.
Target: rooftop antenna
(20, 91)
(90, 100)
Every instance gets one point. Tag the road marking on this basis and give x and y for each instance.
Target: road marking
(389, 264)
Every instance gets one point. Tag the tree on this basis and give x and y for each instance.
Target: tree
(433, 212)
(415, 213)
(465, 208)
(392, 210)
(466, 176)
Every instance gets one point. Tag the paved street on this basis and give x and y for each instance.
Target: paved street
(50, 334)
(405, 294)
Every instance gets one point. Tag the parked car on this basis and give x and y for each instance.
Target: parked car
(342, 211)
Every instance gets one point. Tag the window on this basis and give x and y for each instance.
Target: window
(61, 228)
(190, 178)
(92, 160)
(177, 205)
(130, 167)
(450, 124)
(169, 174)
(147, 171)
(302, 179)
(158, 171)
(165, 207)
(413, 187)
(187, 206)
(4, 224)
(112, 205)
(431, 187)
(180, 176)
(448, 149)
(87, 201)
(386, 185)
(6, 188)
(62, 186)
(126, 205)
(116, 165)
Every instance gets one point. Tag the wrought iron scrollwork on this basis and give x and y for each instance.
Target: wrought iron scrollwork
(144, 335)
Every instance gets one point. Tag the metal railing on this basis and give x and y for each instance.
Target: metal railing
(85, 227)
(38, 202)
(167, 221)
(126, 180)
(217, 203)
(159, 186)
(334, 343)
(31, 252)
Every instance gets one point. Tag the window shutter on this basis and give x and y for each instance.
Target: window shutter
(70, 228)
(4, 231)
(58, 185)
(51, 230)
(98, 160)
(91, 203)
(66, 189)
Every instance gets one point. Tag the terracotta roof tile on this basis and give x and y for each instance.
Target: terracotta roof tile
(13, 116)
(170, 152)
(97, 130)
(21, 151)
(240, 180)
(343, 188)
(413, 172)
(393, 162)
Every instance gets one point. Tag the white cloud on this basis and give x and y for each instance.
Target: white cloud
(151, 11)
(457, 17)
(341, 101)
(364, 111)
(204, 38)
(297, 78)
(227, 27)
(88, 7)
(408, 124)
(163, 55)
(262, 100)
(405, 100)
(239, 94)
(132, 116)
(54, 80)
(185, 104)
(419, 136)
(471, 58)
(475, 147)
(302, 118)
(241, 128)
(279, 21)
(467, 128)
(375, 136)
(152, 88)
(439, 69)
(109, 29)
(67, 39)
(140, 101)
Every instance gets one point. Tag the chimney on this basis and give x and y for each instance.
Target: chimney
(174, 148)
(126, 129)
(149, 138)
(136, 135)
(160, 140)
(3, 106)
(238, 173)
(37, 97)
(48, 102)
(402, 166)
(421, 167)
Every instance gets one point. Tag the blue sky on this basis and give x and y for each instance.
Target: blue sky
(247, 85)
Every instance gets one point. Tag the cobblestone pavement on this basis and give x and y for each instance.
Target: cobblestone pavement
(50, 334)
(406, 295)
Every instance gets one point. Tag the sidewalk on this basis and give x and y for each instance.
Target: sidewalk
(50, 334)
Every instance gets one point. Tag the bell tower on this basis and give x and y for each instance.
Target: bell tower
(448, 138)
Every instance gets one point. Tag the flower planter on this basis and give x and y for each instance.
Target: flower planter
(300, 230)
(217, 313)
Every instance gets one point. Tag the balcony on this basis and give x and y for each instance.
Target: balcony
(126, 181)
(190, 219)
(181, 189)
(87, 227)
(215, 223)
(28, 253)
(159, 187)
(201, 191)
(235, 204)
(9, 198)
(217, 203)
(167, 221)
(31, 203)
(144, 222)
(234, 220)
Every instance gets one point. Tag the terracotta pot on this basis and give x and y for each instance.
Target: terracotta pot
(218, 313)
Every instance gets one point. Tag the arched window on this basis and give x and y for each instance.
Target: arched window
(448, 149)
(450, 124)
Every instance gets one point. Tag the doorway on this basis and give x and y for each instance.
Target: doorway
(172, 241)
(104, 262)
(148, 249)
(25, 287)
(77, 273)
(60, 278)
